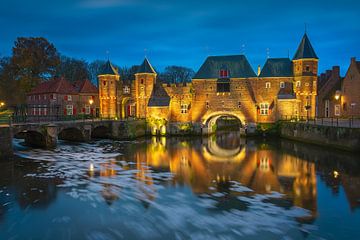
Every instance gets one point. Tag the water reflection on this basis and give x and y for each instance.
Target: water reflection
(216, 163)
(231, 187)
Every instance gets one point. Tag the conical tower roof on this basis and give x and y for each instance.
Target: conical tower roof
(146, 67)
(305, 49)
(109, 69)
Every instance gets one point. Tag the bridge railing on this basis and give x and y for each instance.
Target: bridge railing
(20, 119)
(350, 122)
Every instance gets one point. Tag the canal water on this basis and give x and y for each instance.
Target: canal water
(221, 187)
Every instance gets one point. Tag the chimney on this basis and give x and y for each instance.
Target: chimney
(353, 59)
(259, 70)
(336, 70)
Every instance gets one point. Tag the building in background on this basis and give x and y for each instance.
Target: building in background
(58, 97)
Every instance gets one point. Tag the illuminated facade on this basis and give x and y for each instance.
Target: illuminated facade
(223, 86)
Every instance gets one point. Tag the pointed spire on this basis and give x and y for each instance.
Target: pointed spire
(146, 67)
(109, 69)
(305, 49)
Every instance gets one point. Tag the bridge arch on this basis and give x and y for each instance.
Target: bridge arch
(101, 131)
(209, 120)
(32, 138)
(72, 134)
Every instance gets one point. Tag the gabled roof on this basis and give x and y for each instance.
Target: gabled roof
(237, 65)
(145, 67)
(159, 97)
(56, 85)
(305, 49)
(277, 67)
(85, 86)
(109, 69)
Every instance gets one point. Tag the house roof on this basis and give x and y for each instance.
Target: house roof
(145, 67)
(305, 49)
(277, 67)
(85, 86)
(109, 69)
(159, 97)
(237, 65)
(56, 85)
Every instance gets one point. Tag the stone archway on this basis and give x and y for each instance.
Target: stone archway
(72, 134)
(209, 120)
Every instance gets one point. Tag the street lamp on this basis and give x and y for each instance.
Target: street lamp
(2, 104)
(337, 95)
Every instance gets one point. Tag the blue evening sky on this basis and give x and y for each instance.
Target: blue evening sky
(185, 32)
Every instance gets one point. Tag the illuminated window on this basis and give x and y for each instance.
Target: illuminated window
(184, 108)
(87, 109)
(327, 104)
(267, 85)
(264, 108)
(126, 90)
(298, 84)
(224, 73)
(69, 110)
(337, 110)
(282, 85)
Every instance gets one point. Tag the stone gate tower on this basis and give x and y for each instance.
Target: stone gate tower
(109, 81)
(145, 79)
(305, 69)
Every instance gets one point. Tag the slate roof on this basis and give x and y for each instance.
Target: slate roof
(237, 65)
(159, 97)
(305, 49)
(56, 85)
(85, 86)
(277, 67)
(109, 69)
(145, 67)
(287, 92)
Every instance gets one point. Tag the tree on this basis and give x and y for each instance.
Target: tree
(34, 60)
(8, 85)
(94, 69)
(128, 74)
(177, 74)
(72, 69)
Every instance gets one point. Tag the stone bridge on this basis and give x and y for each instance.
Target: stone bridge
(46, 134)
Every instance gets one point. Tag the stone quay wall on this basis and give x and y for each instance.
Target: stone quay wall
(336, 137)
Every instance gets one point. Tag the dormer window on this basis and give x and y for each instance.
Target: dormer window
(224, 73)
(307, 68)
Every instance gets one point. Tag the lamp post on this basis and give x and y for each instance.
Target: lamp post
(2, 104)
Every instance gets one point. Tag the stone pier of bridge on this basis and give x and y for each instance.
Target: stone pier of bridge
(6, 150)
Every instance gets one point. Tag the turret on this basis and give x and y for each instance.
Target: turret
(145, 79)
(108, 91)
(305, 68)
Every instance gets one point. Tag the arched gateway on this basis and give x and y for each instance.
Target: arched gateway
(209, 120)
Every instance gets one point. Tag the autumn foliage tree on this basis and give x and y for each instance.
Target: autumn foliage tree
(34, 60)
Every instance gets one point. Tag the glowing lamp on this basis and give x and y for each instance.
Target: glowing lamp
(337, 95)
